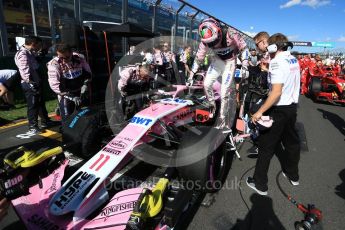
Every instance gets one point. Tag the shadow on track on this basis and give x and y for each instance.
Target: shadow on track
(260, 216)
(336, 120)
(340, 189)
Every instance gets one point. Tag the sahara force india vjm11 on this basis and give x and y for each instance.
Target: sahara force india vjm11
(179, 123)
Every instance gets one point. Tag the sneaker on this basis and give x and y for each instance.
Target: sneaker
(294, 183)
(44, 125)
(253, 150)
(33, 131)
(251, 183)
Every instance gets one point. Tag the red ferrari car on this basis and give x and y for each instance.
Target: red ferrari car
(327, 86)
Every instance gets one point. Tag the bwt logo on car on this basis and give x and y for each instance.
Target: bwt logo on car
(118, 144)
(73, 189)
(140, 121)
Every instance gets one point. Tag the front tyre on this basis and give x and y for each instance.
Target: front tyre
(82, 132)
(209, 173)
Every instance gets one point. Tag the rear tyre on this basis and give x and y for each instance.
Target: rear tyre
(209, 173)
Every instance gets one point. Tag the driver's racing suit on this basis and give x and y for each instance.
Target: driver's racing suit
(224, 66)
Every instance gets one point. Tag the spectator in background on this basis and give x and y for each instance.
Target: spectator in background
(307, 60)
(8, 79)
(317, 70)
(69, 75)
(186, 62)
(159, 70)
(336, 67)
(253, 58)
(168, 62)
(131, 50)
(32, 83)
(328, 61)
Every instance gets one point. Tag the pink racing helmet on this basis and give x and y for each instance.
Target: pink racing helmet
(210, 32)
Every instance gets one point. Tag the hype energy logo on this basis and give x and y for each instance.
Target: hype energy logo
(141, 121)
(76, 185)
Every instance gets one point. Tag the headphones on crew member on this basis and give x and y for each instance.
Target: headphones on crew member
(274, 47)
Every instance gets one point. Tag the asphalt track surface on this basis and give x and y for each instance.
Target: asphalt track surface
(322, 180)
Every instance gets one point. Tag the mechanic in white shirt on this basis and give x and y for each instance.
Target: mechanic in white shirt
(281, 105)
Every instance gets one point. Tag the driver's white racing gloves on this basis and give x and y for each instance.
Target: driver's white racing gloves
(194, 69)
(189, 82)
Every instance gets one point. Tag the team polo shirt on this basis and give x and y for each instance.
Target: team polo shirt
(284, 69)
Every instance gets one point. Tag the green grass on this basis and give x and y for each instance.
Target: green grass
(21, 110)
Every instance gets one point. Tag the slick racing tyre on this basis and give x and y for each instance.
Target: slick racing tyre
(315, 85)
(209, 173)
(81, 132)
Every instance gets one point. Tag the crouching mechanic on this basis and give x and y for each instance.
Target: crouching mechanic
(226, 43)
(69, 75)
(135, 81)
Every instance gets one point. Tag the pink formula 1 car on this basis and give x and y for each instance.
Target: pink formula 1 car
(175, 131)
